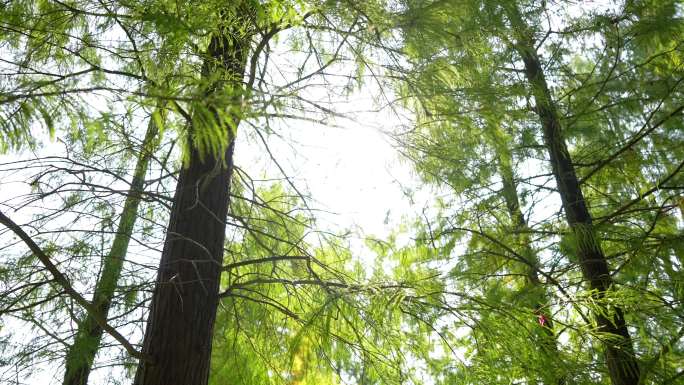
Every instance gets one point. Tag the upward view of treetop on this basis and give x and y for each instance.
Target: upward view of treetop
(168, 215)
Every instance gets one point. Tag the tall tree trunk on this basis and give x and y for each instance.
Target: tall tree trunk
(623, 366)
(81, 354)
(510, 195)
(180, 325)
(548, 349)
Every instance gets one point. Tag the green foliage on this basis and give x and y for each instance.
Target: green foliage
(475, 133)
(454, 297)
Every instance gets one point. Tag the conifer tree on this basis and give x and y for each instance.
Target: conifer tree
(622, 363)
(81, 354)
(460, 49)
(182, 313)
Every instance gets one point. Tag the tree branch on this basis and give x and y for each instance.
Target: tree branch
(62, 280)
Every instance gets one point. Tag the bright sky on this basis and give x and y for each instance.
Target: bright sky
(353, 171)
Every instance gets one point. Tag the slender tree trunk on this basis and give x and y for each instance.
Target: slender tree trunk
(548, 349)
(183, 309)
(81, 354)
(622, 363)
(510, 194)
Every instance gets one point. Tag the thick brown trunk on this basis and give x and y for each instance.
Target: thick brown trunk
(181, 320)
(180, 325)
(619, 352)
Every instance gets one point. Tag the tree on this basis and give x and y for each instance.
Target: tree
(226, 83)
(180, 325)
(488, 36)
(461, 140)
(620, 358)
(550, 134)
(81, 354)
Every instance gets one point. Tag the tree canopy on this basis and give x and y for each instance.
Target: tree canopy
(156, 228)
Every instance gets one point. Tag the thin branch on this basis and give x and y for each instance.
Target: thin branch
(62, 280)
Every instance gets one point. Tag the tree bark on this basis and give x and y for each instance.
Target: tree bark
(180, 325)
(622, 363)
(510, 195)
(81, 354)
(548, 349)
